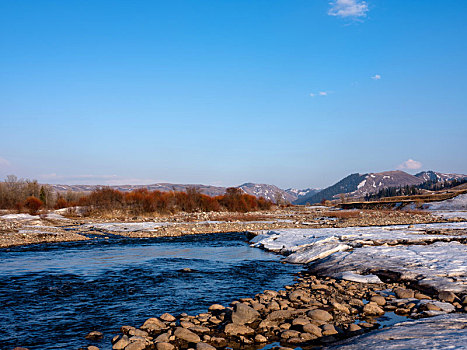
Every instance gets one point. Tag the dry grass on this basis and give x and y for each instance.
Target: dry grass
(345, 214)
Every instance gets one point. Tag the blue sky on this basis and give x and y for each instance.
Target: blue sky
(293, 93)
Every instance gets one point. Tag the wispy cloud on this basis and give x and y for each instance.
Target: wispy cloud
(4, 163)
(320, 93)
(348, 8)
(376, 77)
(91, 179)
(410, 164)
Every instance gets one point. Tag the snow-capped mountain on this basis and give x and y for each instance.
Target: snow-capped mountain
(270, 192)
(299, 194)
(375, 182)
(358, 185)
(437, 177)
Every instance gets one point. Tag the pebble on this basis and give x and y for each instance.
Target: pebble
(300, 314)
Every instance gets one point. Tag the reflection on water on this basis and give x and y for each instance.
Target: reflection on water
(53, 295)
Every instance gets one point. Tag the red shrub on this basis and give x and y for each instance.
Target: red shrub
(33, 204)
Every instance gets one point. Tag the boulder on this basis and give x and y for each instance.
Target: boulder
(121, 343)
(164, 346)
(238, 329)
(186, 335)
(204, 346)
(447, 296)
(244, 314)
(372, 309)
(312, 329)
(403, 293)
(167, 317)
(94, 335)
(320, 315)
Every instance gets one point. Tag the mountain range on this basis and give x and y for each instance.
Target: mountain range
(354, 185)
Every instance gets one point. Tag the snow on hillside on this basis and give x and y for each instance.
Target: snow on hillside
(375, 182)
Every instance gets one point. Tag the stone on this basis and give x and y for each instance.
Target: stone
(379, 300)
(199, 329)
(340, 308)
(354, 327)
(94, 335)
(312, 329)
(163, 338)
(300, 321)
(244, 314)
(421, 296)
(92, 347)
(308, 336)
(356, 302)
(290, 334)
(187, 335)
(218, 341)
(372, 309)
(138, 345)
(216, 307)
(260, 338)
(186, 324)
(430, 307)
(298, 295)
(153, 324)
(121, 343)
(329, 329)
(126, 329)
(137, 332)
(238, 329)
(164, 346)
(403, 293)
(167, 317)
(447, 296)
(273, 306)
(320, 315)
(245, 340)
(204, 346)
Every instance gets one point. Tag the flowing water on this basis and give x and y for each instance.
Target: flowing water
(52, 295)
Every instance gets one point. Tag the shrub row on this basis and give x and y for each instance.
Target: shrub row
(143, 201)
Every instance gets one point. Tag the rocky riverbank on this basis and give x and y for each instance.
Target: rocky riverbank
(20, 229)
(315, 311)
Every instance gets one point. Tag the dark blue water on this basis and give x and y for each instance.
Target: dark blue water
(52, 295)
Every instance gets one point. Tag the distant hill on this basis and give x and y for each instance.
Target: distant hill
(346, 185)
(375, 182)
(358, 185)
(436, 176)
(299, 194)
(271, 192)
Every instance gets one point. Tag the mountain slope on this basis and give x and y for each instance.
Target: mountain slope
(346, 185)
(435, 176)
(270, 192)
(375, 182)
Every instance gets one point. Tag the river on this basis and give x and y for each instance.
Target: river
(52, 295)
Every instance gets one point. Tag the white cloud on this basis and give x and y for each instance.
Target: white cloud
(376, 77)
(320, 93)
(4, 163)
(348, 8)
(410, 164)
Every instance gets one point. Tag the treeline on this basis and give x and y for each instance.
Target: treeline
(28, 195)
(414, 189)
(142, 201)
